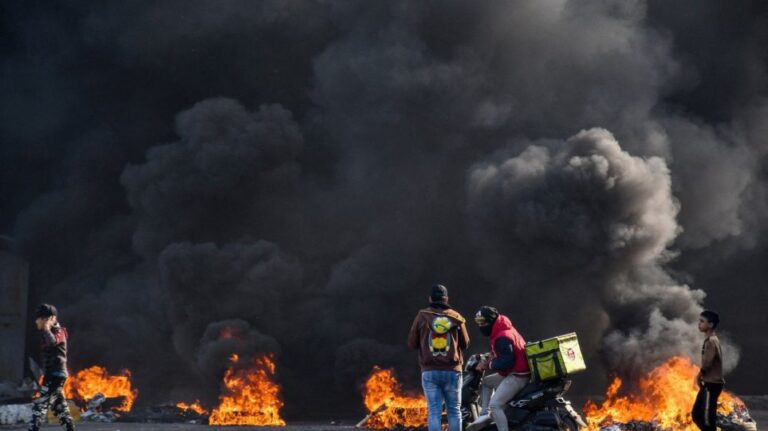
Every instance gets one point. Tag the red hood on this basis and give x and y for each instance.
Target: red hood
(502, 327)
(501, 324)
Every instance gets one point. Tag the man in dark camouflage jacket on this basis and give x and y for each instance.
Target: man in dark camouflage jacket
(54, 359)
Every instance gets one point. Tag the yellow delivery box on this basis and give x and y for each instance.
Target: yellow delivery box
(555, 357)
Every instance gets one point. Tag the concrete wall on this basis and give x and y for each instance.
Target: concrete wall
(14, 273)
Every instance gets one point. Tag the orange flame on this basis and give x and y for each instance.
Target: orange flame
(251, 397)
(195, 407)
(389, 406)
(96, 380)
(666, 396)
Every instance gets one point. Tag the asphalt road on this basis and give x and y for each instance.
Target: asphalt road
(91, 426)
(761, 416)
(758, 408)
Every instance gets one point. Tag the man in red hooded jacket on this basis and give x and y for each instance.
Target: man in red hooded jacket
(507, 359)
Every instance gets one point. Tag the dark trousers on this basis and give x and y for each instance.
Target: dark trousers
(704, 413)
(51, 396)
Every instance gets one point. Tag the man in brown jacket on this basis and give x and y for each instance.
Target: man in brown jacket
(710, 378)
(440, 334)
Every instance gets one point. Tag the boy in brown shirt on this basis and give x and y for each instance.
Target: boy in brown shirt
(710, 378)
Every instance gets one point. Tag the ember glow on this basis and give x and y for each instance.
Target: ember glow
(389, 406)
(250, 397)
(195, 407)
(87, 383)
(665, 397)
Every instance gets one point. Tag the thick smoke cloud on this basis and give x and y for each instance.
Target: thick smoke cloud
(222, 181)
(216, 181)
(607, 211)
(587, 219)
(324, 169)
(717, 165)
(255, 276)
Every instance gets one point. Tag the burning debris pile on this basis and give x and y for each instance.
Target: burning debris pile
(194, 407)
(93, 394)
(663, 402)
(168, 413)
(250, 397)
(737, 420)
(101, 396)
(389, 406)
(11, 414)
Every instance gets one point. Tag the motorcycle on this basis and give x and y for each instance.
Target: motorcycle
(538, 406)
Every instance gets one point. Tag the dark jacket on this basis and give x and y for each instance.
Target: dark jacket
(440, 334)
(54, 351)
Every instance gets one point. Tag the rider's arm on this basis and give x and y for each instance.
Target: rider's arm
(505, 355)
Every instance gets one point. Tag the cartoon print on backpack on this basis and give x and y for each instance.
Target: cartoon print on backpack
(440, 337)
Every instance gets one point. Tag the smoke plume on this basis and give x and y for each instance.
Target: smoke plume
(588, 221)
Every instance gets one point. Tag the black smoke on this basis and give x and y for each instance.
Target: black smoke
(191, 180)
(590, 226)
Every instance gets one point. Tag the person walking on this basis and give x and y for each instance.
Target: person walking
(54, 354)
(710, 379)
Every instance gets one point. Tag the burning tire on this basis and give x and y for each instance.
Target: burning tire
(736, 423)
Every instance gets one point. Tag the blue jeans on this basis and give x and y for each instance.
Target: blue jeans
(439, 387)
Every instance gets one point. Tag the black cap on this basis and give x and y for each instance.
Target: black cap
(438, 292)
(45, 310)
